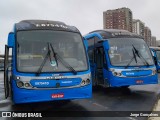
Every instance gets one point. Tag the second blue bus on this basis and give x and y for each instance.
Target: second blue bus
(119, 58)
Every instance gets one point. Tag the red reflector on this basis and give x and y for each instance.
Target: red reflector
(59, 95)
(139, 81)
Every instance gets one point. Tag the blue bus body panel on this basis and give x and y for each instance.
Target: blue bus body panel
(52, 83)
(121, 81)
(29, 96)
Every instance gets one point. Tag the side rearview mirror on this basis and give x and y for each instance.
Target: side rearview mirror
(11, 40)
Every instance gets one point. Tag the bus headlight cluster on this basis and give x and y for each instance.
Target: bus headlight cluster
(21, 84)
(85, 82)
(117, 74)
(154, 72)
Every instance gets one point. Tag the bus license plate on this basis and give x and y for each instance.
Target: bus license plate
(139, 81)
(59, 95)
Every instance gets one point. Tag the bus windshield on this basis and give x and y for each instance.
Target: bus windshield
(32, 49)
(158, 55)
(129, 52)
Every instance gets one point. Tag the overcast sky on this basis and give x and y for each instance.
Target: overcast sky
(86, 15)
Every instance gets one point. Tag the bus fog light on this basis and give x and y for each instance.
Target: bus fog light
(27, 85)
(87, 81)
(20, 84)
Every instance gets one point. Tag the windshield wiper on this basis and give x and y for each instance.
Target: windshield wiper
(44, 61)
(140, 56)
(134, 57)
(54, 54)
(57, 57)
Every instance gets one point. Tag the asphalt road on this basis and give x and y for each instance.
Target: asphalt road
(135, 98)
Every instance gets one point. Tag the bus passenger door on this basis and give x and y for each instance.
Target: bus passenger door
(99, 58)
(92, 66)
(7, 64)
(6, 79)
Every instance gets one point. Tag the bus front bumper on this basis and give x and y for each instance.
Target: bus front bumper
(43, 95)
(128, 81)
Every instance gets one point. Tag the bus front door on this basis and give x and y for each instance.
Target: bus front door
(6, 79)
(99, 60)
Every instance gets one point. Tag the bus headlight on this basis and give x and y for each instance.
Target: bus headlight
(154, 72)
(117, 74)
(85, 82)
(20, 84)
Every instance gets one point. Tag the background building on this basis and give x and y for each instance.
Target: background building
(147, 35)
(153, 41)
(158, 43)
(118, 19)
(138, 27)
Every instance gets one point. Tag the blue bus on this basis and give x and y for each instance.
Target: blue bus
(119, 58)
(49, 62)
(156, 55)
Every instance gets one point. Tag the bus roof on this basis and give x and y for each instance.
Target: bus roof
(114, 33)
(155, 48)
(44, 25)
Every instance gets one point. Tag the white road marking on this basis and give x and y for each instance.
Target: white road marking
(97, 104)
